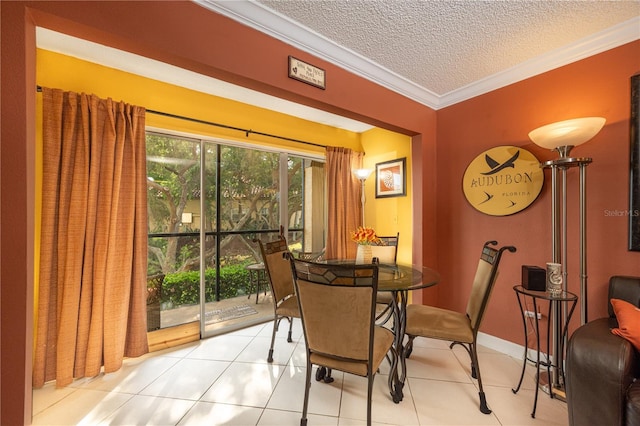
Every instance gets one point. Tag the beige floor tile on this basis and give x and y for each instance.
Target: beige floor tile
(299, 355)
(82, 407)
(384, 410)
(285, 418)
(438, 364)
(258, 350)
(324, 398)
(187, 379)
(48, 395)
(245, 384)
(213, 414)
(515, 409)
(133, 377)
(150, 410)
(447, 403)
(283, 329)
(226, 347)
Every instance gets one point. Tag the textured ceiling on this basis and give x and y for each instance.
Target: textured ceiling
(445, 45)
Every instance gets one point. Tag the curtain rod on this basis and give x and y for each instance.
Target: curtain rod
(247, 132)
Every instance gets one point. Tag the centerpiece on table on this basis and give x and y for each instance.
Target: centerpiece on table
(366, 238)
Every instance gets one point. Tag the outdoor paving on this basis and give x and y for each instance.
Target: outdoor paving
(225, 313)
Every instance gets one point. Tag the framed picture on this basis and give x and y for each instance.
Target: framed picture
(391, 179)
(634, 172)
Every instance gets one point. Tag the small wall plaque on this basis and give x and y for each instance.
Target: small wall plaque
(306, 73)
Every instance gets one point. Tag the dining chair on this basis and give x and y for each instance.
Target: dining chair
(337, 308)
(313, 256)
(460, 328)
(387, 253)
(285, 303)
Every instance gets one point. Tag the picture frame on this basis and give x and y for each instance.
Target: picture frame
(391, 178)
(634, 172)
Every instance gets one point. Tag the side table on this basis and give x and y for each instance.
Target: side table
(257, 277)
(565, 297)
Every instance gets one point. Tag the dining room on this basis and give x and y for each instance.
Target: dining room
(420, 151)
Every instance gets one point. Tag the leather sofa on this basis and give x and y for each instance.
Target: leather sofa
(603, 369)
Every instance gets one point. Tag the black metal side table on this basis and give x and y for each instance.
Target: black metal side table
(554, 301)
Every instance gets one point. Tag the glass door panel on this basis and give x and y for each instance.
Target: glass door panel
(173, 183)
(248, 204)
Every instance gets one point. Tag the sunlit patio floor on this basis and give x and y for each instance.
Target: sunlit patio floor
(228, 313)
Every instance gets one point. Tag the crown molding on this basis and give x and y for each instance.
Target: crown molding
(610, 38)
(288, 31)
(282, 28)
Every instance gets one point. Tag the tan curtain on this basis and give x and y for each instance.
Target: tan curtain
(92, 290)
(344, 202)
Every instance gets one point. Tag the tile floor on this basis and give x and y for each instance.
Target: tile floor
(225, 380)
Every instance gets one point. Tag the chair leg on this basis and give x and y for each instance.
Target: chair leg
(474, 374)
(385, 315)
(276, 322)
(408, 348)
(290, 329)
(369, 395)
(472, 350)
(484, 408)
(324, 374)
(307, 386)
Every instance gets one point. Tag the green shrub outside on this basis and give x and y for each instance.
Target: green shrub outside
(183, 288)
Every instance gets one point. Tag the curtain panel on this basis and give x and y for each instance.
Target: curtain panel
(93, 257)
(343, 202)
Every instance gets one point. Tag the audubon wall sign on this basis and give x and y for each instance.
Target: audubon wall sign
(503, 180)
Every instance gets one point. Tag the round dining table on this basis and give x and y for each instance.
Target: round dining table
(400, 279)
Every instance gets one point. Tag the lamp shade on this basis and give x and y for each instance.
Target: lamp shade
(567, 133)
(362, 174)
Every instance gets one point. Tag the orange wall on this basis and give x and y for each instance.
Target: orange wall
(596, 86)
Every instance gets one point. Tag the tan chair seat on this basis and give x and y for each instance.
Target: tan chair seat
(289, 308)
(437, 323)
(383, 339)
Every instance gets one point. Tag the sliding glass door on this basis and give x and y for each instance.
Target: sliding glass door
(208, 203)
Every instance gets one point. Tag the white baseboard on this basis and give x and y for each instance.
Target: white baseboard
(506, 347)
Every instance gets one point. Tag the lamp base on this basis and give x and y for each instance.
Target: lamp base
(558, 391)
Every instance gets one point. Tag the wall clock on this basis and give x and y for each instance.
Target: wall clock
(503, 180)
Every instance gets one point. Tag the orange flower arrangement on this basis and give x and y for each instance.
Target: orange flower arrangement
(366, 236)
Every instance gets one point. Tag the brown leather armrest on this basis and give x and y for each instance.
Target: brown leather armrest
(600, 367)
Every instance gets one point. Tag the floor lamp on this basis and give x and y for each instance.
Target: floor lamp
(362, 175)
(562, 137)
